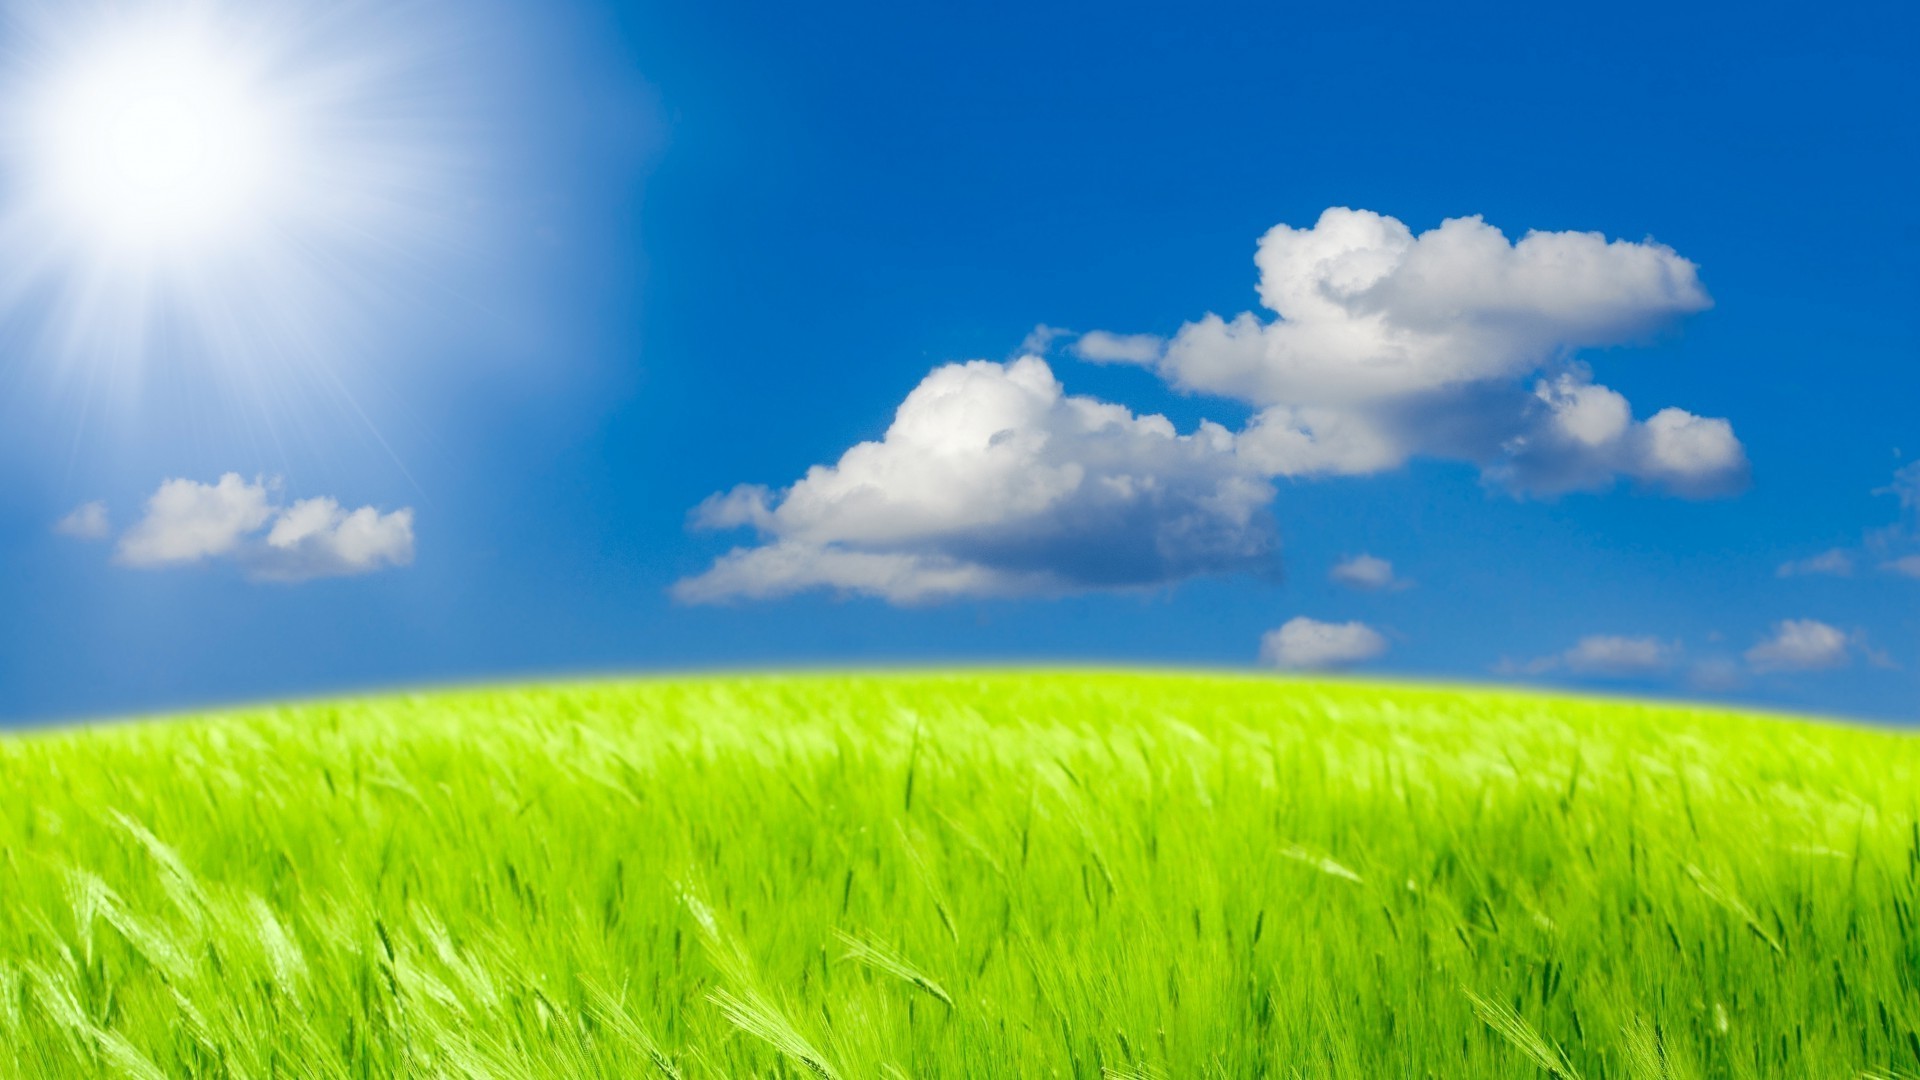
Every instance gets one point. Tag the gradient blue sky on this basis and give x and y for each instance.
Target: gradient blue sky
(683, 247)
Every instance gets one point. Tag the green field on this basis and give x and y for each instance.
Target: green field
(976, 874)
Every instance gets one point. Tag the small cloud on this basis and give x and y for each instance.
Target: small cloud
(315, 538)
(189, 522)
(1621, 657)
(1039, 341)
(1308, 643)
(1889, 547)
(1608, 656)
(1696, 457)
(1906, 566)
(1879, 658)
(1715, 673)
(1367, 572)
(1102, 347)
(88, 521)
(1905, 487)
(1836, 562)
(1800, 645)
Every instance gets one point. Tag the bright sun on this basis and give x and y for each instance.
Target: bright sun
(158, 137)
(157, 140)
(229, 185)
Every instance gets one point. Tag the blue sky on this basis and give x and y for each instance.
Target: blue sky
(623, 257)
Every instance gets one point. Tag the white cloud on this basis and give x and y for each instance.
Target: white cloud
(1308, 643)
(1834, 562)
(1790, 645)
(188, 522)
(1366, 572)
(1039, 341)
(1383, 346)
(1367, 310)
(1905, 566)
(1800, 645)
(316, 538)
(1387, 345)
(992, 481)
(1621, 657)
(88, 521)
(1102, 347)
(1581, 437)
(1694, 456)
(1607, 656)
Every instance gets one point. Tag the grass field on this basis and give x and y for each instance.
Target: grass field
(990, 875)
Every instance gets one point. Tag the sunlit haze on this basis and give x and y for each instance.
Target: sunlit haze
(161, 141)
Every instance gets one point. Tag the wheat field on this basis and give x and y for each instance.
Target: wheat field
(968, 874)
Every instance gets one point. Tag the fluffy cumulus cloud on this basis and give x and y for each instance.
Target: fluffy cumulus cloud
(1368, 572)
(1456, 343)
(1801, 645)
(316, 538)
(1302, 643)
(188, 522)
(1380, 345)
(88, 521)
(993, 481)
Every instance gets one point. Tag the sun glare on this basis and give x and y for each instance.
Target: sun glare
(159, 139)
(234, 189)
